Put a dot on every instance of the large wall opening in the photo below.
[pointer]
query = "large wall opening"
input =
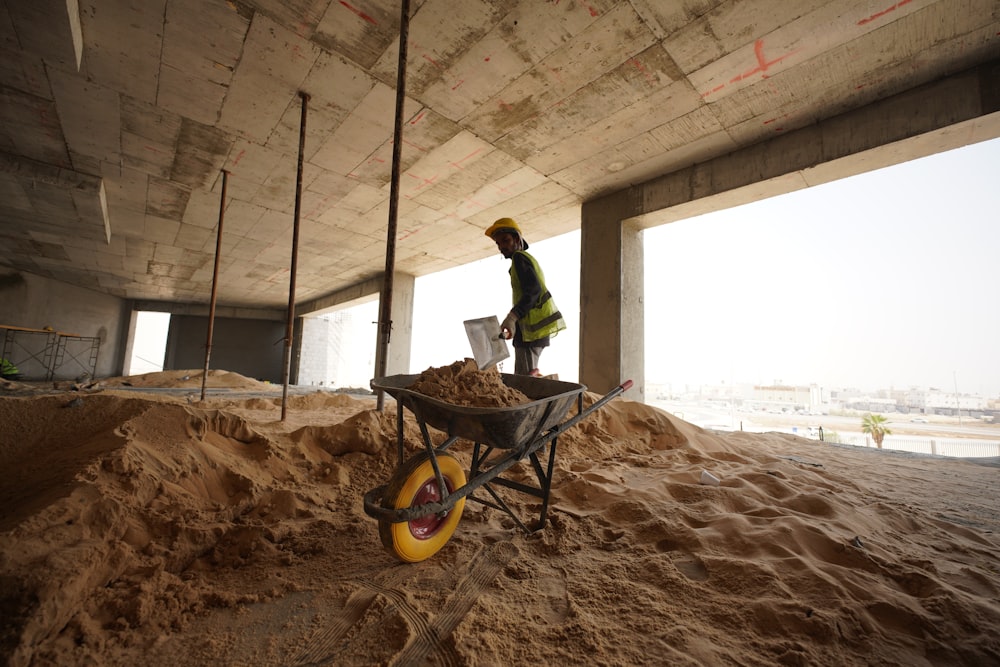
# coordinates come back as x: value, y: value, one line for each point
x: 150, y: 342
x: 875, y: 286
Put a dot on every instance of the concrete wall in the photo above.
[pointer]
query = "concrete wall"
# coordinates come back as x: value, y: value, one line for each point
x: 338, y: 352
x: 34, y: 302
x: 315, y: 351
x: 254, y: 348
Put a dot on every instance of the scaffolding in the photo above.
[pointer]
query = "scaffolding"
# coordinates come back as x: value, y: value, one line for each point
x: 44, y: 354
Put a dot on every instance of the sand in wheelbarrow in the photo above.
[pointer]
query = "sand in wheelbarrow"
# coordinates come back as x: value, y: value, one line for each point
x: 462, y: 383
x: 143, y: 528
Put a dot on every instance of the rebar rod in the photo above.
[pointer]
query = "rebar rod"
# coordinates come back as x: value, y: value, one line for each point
x: 215, y: 282
x: 385, y: 303
x: 290, y: 318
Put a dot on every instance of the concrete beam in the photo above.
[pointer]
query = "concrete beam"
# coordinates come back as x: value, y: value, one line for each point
x: 50, y: 29
x: 87, y: 191
x: 76, y: 32
x: 33, y: 170
x: 358, y: 293
x: 201, y: 310
x: 907, y: 126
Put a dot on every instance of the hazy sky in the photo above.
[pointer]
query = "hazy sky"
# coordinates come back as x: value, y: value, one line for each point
x: 885, y: 279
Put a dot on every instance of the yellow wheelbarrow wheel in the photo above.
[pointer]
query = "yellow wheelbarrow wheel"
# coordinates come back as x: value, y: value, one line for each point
x: 412, y: 485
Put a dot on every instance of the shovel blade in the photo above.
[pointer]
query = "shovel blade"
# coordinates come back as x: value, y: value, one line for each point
x: 488, y: 348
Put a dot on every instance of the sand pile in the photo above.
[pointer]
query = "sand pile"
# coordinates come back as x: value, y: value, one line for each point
x: 192, y: 379
x: 138, y: 528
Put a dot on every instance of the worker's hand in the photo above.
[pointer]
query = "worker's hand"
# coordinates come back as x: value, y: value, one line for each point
x: 507, y: 326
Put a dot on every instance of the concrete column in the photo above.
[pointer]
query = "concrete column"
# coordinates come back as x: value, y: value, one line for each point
x: 129, y: 321
x: 611, y: 295
x: 403, y: 288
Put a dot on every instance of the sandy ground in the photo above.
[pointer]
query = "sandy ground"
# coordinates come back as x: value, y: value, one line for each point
x: 149, y: 527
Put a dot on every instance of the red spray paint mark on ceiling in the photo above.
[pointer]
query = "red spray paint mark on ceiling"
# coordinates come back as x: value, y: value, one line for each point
x: 878, y: 15
x: 590, y: 9
x: 762, y: 64
x: 239, y: 156
x: 418, y: 118
x: 424, y: 182
x: 432, y: 61
x: 502, y: 190
x: 407, y: 233
x: 407, y: 142
x: 779, y: 128
x: 357, y: 11
x: 458, y: 164
x: 458, y: 85
x: 320, y: 208
x: 649, y: 76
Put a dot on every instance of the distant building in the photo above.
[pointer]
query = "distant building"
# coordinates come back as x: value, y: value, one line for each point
x: 782, y: 397
x: 934, y: 400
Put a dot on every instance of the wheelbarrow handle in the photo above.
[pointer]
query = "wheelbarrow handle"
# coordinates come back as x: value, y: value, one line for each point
x: 583, y: 412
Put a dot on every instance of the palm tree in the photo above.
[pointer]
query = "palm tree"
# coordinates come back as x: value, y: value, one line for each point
x: 876, y: 426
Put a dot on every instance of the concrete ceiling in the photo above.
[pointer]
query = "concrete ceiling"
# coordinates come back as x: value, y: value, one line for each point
x: 119, y: 117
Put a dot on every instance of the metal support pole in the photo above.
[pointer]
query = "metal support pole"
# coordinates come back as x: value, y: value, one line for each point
x: 290, y: 319
x: 215, y: 282
x: 385, y: 303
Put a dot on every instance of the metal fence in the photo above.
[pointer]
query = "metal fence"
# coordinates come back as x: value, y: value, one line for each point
x: 957, y: 447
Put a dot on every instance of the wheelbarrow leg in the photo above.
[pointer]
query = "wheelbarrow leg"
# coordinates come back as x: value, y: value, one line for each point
x: 544, y: 481
x: 544, y: 477
x: 399, y: 431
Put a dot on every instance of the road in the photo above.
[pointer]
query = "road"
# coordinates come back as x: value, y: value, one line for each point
x: 718, y: 415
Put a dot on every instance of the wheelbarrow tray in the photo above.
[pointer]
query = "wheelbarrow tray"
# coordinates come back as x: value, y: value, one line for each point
x: 511, y: 427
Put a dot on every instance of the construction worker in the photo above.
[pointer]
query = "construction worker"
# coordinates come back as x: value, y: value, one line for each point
x: 534, y: 318
x: 8, y: 371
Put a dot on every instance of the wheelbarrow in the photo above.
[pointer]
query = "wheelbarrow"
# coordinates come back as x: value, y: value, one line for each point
x: 419, y: 508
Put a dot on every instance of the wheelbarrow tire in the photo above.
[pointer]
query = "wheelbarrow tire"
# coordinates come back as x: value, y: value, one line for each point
x: 414, y: 484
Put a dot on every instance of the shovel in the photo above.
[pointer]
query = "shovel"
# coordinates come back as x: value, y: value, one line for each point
x: 488, y: 347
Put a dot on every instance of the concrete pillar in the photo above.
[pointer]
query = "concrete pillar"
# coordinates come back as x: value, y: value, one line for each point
x: 611, y: 296
x: 403, y: 288
x: 130, y: 319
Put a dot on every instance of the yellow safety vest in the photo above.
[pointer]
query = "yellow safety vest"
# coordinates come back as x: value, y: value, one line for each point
x: 544, y: 318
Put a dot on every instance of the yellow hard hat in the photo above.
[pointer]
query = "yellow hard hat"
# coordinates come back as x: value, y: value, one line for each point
x: 503, y: 225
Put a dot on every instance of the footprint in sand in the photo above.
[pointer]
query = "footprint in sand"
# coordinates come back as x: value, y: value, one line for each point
x: 686, y: 563
x: 691, y: 567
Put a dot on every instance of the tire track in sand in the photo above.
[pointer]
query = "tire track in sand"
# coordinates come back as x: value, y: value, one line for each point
x: 323, y: 648
x: 430, y: 637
